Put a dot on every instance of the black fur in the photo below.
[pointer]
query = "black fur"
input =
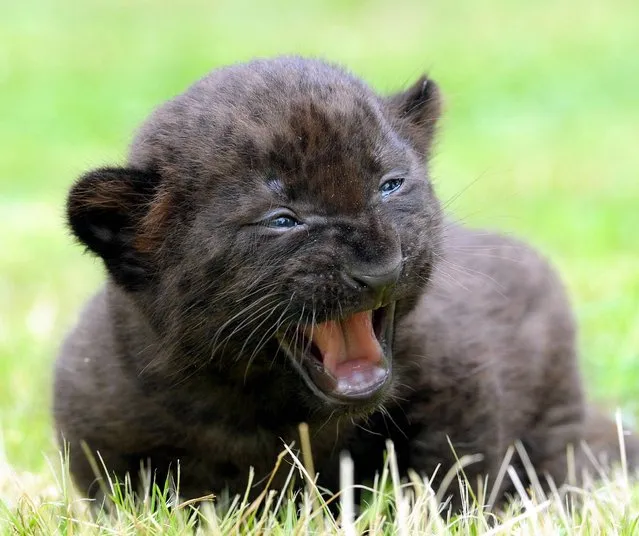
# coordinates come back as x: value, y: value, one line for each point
x: 177, y: 357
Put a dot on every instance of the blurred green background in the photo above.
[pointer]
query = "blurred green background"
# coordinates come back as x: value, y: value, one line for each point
x: 540, y: 139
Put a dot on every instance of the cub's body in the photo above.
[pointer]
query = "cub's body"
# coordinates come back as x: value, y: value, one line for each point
x: 276, y: 254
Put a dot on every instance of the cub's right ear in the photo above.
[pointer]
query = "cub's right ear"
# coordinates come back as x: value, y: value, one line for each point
x: 105, y: 210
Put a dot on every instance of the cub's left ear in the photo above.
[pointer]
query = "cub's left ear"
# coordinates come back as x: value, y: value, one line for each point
x: 418, y: 109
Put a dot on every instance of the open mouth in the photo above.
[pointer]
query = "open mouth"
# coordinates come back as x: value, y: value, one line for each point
x: 347, y: 359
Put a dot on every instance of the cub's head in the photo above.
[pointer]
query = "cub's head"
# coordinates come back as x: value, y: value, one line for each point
x: 276, y: 218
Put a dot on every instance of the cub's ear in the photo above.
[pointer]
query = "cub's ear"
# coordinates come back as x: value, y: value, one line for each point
x: 108, y: 210
x: 418, y: 110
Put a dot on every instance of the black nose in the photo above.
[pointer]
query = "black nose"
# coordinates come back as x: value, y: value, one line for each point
x: 377, y: 281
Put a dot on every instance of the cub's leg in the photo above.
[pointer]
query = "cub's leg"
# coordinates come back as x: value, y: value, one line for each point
x: 466, y: 438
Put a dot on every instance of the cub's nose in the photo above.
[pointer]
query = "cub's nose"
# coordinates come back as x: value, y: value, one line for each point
x: 378, y: 281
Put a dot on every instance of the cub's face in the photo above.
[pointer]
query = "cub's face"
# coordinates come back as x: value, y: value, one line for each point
x: 275, y: 218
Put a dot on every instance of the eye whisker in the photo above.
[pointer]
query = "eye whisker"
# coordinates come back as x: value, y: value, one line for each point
x: 255, y: 314
x: 267, y: 334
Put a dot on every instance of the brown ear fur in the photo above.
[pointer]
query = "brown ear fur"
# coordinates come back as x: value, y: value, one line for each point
x: 153, y: 225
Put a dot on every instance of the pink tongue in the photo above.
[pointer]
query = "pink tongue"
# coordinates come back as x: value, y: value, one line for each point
x: 347, y: 346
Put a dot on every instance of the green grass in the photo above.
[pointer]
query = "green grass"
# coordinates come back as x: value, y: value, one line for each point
x: 540, y: 137
x: 32, y: 504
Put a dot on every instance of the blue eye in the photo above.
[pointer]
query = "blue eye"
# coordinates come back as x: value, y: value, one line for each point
x: 282, y: 222
x: 390, y: 186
